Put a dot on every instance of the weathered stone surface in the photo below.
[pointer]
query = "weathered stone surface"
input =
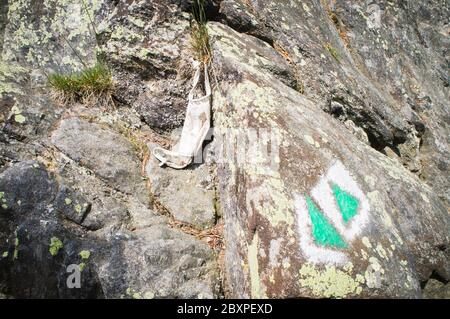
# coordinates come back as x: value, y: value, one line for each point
x: 72, y: 205
x: 152, y: 262
x: 159, y: 262
x: 27, y: 224
x: 237, y: 16
x: 381, y: 61
x: 26, y: 187
x: 147, y: 44
x: 279, y: 243
x: 103, y: 151
x: 435, y: 289
x: 176, y: 189
x: 159, y: 108
x: 372, y: 228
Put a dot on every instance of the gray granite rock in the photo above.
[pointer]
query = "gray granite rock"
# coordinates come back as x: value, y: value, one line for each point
x: 184, y: 193
x: 353, y: 95
x: 37, y: 247
x: 107, y: 153
x: 289, y: 175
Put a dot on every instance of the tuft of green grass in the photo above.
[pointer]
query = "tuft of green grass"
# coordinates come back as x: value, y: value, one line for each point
x: 95, y: 81
x: 199, y: 32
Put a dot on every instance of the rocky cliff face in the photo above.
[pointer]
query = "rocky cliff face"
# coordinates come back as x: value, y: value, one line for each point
x: 326, y: 176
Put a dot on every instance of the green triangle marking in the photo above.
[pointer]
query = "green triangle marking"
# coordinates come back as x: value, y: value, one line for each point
x: 348, y: 204
x: 324, y: 233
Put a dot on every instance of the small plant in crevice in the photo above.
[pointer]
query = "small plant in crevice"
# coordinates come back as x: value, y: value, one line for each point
x: 334, y: 53
x: 89, y: 86
x: 92, y: 85
x: 199, y: 32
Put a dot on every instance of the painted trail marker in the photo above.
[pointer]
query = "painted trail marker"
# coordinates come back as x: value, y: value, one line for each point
x: 331, y: 217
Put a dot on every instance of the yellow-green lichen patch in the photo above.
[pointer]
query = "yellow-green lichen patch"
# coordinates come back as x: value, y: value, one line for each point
x: 143, y: 53
x: 364, y: 254
x: 366, y: 242
x: 10, y: 71
x: 149, y: 295
x: 122, y: 33
x: 370, y: 180
x: 137, y: 295
x: 328, y: 283
x: 253, y: 265
x: 271, y: 201
x: 376, y: 200
x: 68, y: 201
x: 376, y: 264
x: 19, y: 118
x: 373, y: 273
x: 55, y: 245
x: 5, y: 254
x: 310, y: 140
x: 78, y: 208
x: 137, y: 22
x: 133, y: 293
x: 15, y: 110
x: 381, y: 251
x: 82, y: 266
x: 85, y: 254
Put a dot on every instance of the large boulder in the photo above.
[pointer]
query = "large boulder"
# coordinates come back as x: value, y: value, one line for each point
x: 110, y: 155
x: 32, y: 233
x: 176, y: 189
x: 380, y: 65
x: 310, y: 210
x: 39, y: 226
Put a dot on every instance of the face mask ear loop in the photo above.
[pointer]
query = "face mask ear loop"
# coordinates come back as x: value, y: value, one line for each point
x: 196, y: 79
x: 207, y: 85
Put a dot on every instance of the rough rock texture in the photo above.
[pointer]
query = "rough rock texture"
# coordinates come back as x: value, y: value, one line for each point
x: 328, y: 165
x: 384, y: 62
x: 436, y: 290
x: 154, y: 261
x: 381, y: 252
x: 72, y: 184
x: 147, y: 44
x: 175, y: 190
x: 91, y: 145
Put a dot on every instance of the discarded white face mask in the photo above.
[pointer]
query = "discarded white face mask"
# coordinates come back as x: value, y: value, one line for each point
x: 195, y: 128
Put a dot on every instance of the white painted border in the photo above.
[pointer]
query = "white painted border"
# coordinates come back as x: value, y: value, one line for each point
x: 323, y: 196
x: 313, y: 252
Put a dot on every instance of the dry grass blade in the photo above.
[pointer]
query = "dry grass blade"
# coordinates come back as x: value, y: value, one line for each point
x: 199, y: 32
